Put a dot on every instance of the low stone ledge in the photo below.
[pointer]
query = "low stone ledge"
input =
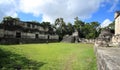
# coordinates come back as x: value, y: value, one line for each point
x: 108, y: 58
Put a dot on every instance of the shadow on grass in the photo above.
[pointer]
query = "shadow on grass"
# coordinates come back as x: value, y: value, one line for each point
x: 12, y: 61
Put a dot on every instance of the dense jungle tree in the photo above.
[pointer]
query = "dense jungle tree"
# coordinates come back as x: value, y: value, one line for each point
x: 60, y: 27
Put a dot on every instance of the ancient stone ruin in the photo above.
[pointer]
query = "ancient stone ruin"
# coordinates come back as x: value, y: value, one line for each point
x: 16, y: 31
x: 104, y: 38
x: 108, y: 58
x: 74, y: 38
x: 116, y: 37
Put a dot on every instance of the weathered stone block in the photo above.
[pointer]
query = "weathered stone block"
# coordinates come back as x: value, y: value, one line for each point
x: 108, y: 58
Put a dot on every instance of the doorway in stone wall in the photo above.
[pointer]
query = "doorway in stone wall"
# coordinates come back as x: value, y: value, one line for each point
x: 18, y: 34
x: 36, y: 36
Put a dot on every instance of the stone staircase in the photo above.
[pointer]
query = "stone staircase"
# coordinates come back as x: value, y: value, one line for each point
x: 69, y: 39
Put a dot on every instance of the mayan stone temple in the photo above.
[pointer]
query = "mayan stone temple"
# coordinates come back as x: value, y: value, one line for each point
x: 106, y: 38
x: 107, y: 47
x: 13, y: 31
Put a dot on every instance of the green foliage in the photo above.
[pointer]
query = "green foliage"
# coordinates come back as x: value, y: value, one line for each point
x: 112, y: 26
x: 70, y: 29
x: 52, y: 56
x: 86, y: 30
x: 61, y: 27
x: 47, y: 25
x: 9, y: 20
x: 91, y: 30
x: 78, y: 24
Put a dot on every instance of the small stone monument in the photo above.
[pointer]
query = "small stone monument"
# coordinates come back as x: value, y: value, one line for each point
x: 76, y: 37
x: 104, y: 38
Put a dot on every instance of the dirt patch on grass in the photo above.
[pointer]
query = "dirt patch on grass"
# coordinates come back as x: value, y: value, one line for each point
x: 69, y: 62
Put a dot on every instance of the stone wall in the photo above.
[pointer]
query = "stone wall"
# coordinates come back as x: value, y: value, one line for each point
x: 72, y: 39
x: 108, y: 58
x: 1, y: 32
x: 102, y: 42
x: 83, y: 40
x: 10, y: 37
x: 116, y: 37
x: 69, y: 39
x: 117, y: 24
x: 116, y: 40
x: 25, y: 40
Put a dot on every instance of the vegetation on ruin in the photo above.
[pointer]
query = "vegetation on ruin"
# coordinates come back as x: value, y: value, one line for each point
x: 52, y: 56
x: 89, y: 30
x: 85, y: 30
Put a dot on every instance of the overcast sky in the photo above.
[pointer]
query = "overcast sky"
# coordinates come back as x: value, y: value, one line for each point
x: 48, y: 10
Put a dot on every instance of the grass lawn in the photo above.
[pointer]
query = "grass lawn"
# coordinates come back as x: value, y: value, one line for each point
x: 52, y: 56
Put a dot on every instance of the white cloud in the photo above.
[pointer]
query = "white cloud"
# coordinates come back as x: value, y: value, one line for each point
x: 68, y: 9
x: 51, y: 9
x: 105, y: 23
x: 8, y: 8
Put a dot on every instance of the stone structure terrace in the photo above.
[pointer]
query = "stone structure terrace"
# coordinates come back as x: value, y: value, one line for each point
x: 12, y: 30
x: 108, y: 57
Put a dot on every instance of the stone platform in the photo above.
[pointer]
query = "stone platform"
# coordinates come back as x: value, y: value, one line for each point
x: 108, y: 58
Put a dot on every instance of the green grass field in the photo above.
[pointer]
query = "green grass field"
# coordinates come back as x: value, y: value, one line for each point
x: 52, y: 56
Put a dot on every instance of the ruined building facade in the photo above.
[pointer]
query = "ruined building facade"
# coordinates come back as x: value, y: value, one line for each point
x: 16, y: 31
x: 116, y: 37
x: 117, y: 23
x: 106, y: 39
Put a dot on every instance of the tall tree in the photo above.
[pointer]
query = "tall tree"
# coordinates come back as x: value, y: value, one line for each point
x: 61, y: 27
x: 70, y: 29
x: 112, y: 26
x: 78, y: 25
x: 59, y: 22
x: 90, y: 30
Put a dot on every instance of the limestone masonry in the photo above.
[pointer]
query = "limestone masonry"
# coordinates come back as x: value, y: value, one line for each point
x: 117, y: 23
x: 116, y: 37
x: 15, y: 31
